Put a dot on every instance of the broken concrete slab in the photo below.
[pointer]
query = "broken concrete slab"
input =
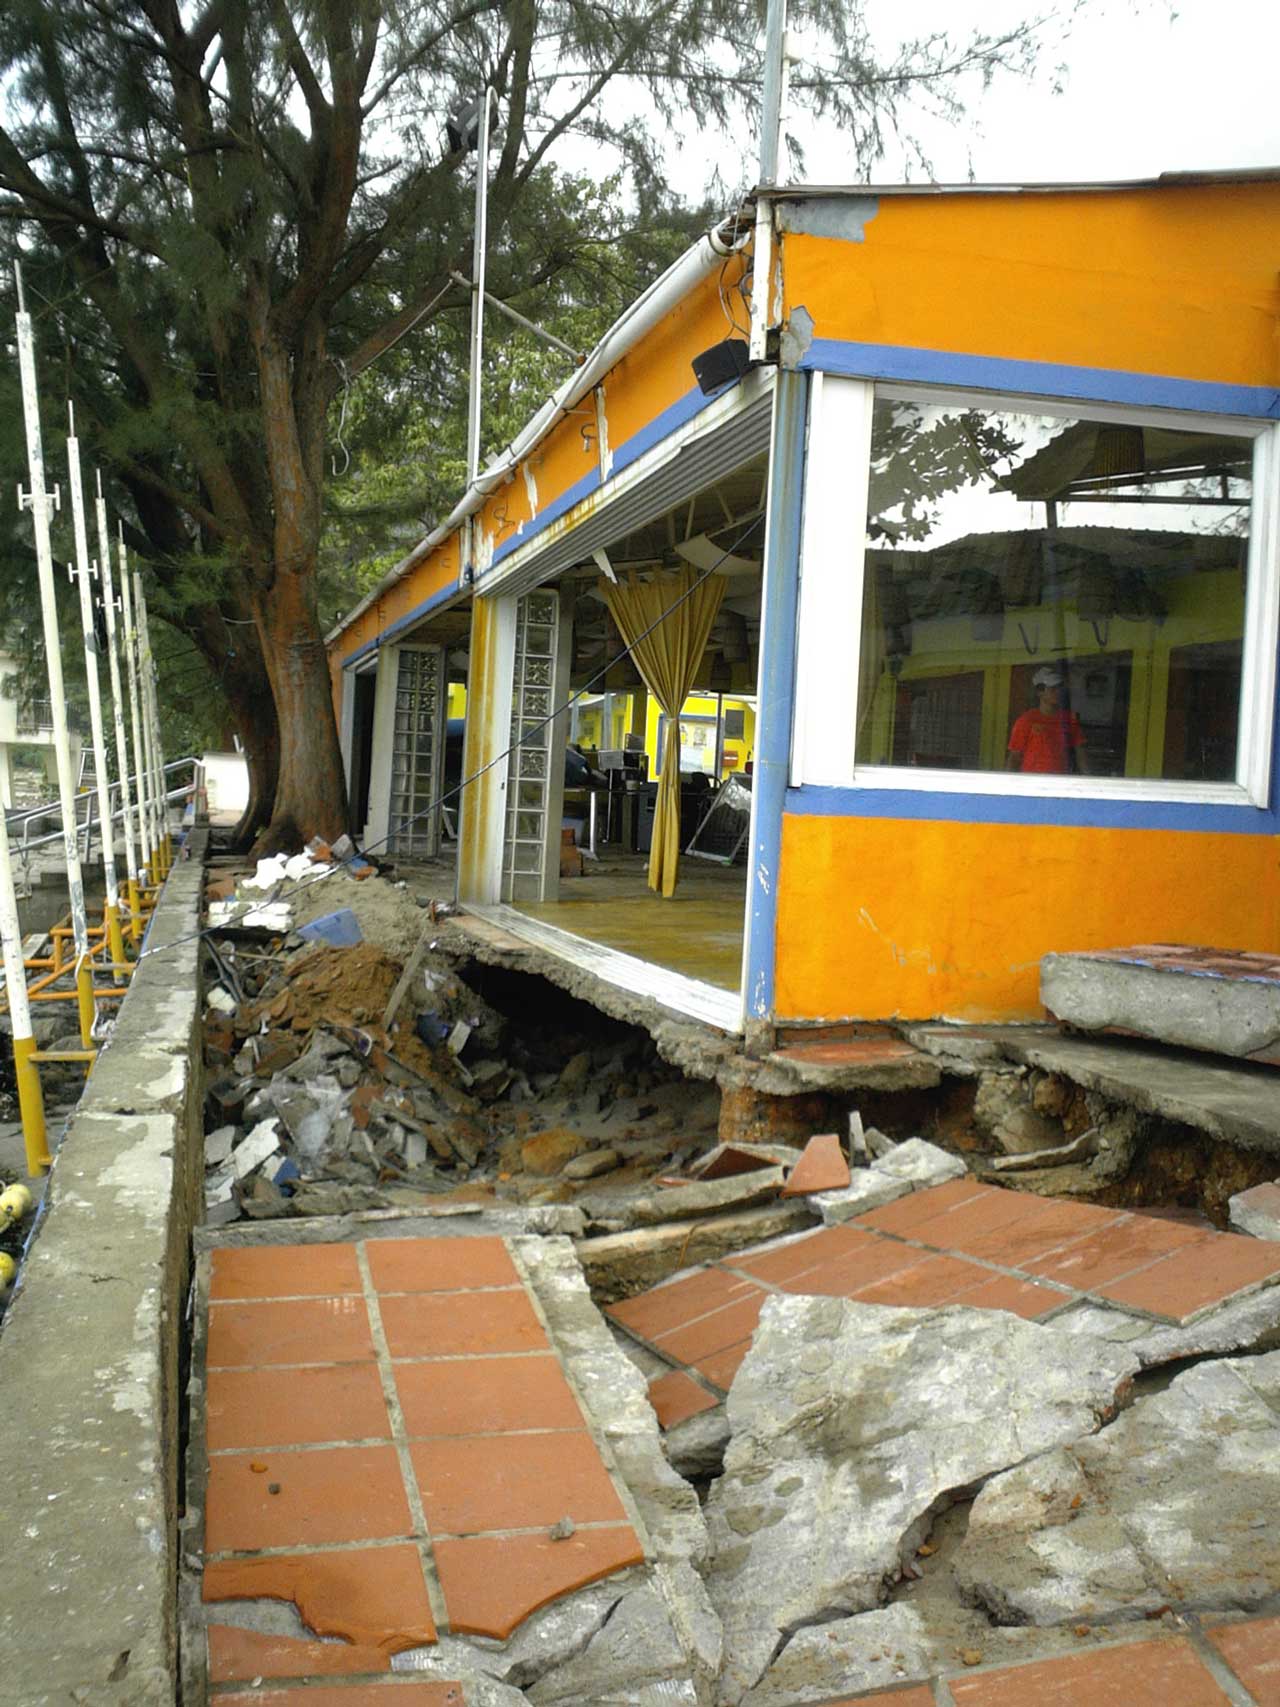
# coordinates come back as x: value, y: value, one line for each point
x: 620, y: 1264
x: 742, y: 1158
x: 592, y: 1164
x: 921, y: 1164
x: 686, y: 1202
x: 911, y: 1166
x: 1172, y: 1504
x: 852, y: 1425
x: 868, y: 1188
x: 1224, y: 1002
x: 872, y: 1650
x: 1257, y: 1211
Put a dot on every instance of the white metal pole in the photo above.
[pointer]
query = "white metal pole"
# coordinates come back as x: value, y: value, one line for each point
x: 102, y: 779
x: 30, y: 1098
x: 38, y: 502
x: 151, y: 720
x: 117, y: 710
x: 145, y: 825
x: 774, y: 93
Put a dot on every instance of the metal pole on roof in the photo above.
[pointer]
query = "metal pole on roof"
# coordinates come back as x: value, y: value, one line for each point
x: 84, y: 572
x: 477, y: 286
x: 38, y: 501
x: 117, y: 712
x: 775, y: 81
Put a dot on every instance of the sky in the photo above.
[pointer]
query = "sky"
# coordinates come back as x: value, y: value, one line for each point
x: 1151, y: 86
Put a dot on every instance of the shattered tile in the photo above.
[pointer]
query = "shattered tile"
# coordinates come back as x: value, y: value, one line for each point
x: 284, y: 1271
x: 1140, y: 1674
x: 822, y: 1167
x: 491, y: 1585
x: 295, y: 1407
x: 840, y: 1277
x: 331, y: 1494
x: 486, y: 1395
x: 676, y: 1397
x: 237, y: 1655
x: 787, y: 1260
x: 713, y: 1332
x: 460, y: 1324
x: 372, y: 1598
x: 1252, y: 1651
x: 675, y: 1302
x: 319, y: 1330
x: 470, y: 1484
x: 439, y: 1265
x: 1193, y: 1279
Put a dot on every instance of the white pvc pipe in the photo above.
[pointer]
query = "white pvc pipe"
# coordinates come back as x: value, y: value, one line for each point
x: 145, y: 836
x: 38, y: 501
x: 15, y: 971
x: 150, y: 709
x: 83, y: 575
x: 117, y: 696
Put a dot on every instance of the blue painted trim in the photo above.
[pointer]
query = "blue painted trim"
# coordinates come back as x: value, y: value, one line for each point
x: 1044, y: 379
x: 922, y: 806
x: 385, y: 636
x: 775, y: 703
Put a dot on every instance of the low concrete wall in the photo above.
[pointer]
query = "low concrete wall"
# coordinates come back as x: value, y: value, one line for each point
x: 89, y: 1355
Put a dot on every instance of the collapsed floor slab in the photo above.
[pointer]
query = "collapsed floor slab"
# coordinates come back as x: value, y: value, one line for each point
x: 453, y: 1411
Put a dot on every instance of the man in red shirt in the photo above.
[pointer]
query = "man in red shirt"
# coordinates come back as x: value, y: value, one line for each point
x: 1048, y: 738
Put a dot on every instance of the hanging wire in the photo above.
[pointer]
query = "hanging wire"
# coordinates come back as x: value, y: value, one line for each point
x: 282, y: 893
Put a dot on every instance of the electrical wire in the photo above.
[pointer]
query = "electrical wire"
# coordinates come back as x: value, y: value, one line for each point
x: 281, y: 893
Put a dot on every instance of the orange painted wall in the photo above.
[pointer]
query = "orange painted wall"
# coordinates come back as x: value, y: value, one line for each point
x: 880, y: 918
x: 1178, y: 281
x: 433, y: 575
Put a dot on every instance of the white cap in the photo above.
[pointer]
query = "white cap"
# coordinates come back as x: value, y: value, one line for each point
x: 1047, y: 678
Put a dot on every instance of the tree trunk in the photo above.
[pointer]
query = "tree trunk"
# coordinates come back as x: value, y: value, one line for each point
x: 254, y: 713
x: 311, y: 790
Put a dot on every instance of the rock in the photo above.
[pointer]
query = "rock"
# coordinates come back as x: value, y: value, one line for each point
x: 921, y: 1164
x: 253, y: 1150
x: 218, y: 1146
x: 577, y: 1071
x: 1174, y: 1503
x: 592, y: 1163
x: 875, y: 1650
x: 635, y: 1651
x: 1002, y: 1109
x: 691, y: 1201
x: 696, y: 1446
x: 547, y: 1152
x: 852, y: 1424
x: 1257, y: 1211
x: 867, y: 1190
x: 622, y: 1263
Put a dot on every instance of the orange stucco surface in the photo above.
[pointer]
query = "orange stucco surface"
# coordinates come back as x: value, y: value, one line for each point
x: 1177, y: 281
x: 883, y: 918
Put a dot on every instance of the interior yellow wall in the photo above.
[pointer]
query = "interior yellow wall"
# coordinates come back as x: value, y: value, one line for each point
x: 884, y: 918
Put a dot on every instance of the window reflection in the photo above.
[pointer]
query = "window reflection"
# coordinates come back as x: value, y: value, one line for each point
x: 1052, y: 596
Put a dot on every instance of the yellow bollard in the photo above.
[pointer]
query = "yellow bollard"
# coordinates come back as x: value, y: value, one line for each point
x: 115, y: 936
x: 84, y: 1001
x: 31, y: 1105
x: 8, y: 1269
x: 135, y: 910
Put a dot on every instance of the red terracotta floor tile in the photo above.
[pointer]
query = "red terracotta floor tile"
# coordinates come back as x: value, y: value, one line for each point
x: 491, y: 1585
x: 905, y: 1214
x: 351, y: 1695
x: 1197, y: 1277
x: 295, y: 1407
x: 237, y: 1656
x: 977, y: 1218
x: 713, y: 1332
x: 1006, y: 1292
x: 1137, y: 1674
x: 372, y: 1597
x: 785, y: 1262
x: 677, y: 1302
x: 676, y: 1397
x: 1042, y: 1225
x: 486, y: 1395
x: 1252, y: 1651
x: 1127, y: 1245
x: 935, y: 1280
x: 844, y: 1275
x: 334, y: 1493
x: 471, y: 1484
x: 849, y: 1051
x: 284, y: 1271
x: 460, y: 1324
x: 309, y: 1330
x: 439, y: 1265
x: 721, y: 1368
x: 822, y: 1167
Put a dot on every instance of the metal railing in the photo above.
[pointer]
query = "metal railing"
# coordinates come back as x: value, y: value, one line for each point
x: 23, y: 842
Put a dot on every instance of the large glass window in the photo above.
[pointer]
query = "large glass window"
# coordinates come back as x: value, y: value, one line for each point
x: 1052, y: 596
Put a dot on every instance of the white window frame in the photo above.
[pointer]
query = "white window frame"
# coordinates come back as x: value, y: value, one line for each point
x: 829, y: 637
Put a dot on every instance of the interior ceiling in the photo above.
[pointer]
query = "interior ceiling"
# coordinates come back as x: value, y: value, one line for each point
x: 703, y: 532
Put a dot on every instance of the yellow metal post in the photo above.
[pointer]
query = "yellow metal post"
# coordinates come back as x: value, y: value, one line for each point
x: 31, y: 1105
x: 84, y: 999
x: 115, y: 936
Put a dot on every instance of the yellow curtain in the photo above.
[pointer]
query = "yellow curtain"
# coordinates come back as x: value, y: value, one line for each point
x: 668, y: 653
